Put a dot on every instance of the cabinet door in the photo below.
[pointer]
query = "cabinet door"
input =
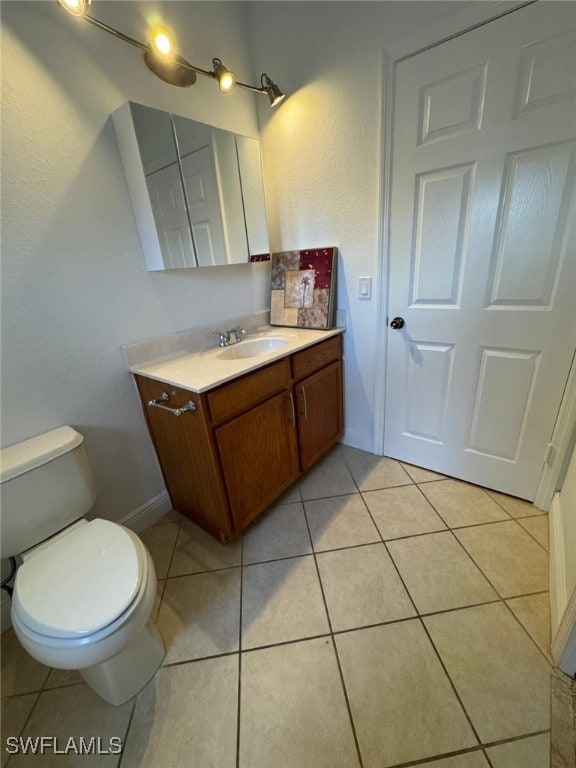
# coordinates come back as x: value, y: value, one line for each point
x: 320, y: 423
x: 259, y: 457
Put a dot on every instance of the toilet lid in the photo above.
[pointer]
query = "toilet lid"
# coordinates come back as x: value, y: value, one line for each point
x: 80, y: 583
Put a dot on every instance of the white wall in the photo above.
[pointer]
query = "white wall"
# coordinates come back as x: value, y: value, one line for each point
x: 74, y: 286
x: 321, y: 150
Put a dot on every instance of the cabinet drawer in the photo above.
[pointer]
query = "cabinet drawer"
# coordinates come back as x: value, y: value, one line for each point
x: 314, y: 358
x: 231, y: 399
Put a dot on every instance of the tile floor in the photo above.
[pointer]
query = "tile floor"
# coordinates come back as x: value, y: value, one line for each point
x: 379, y: 615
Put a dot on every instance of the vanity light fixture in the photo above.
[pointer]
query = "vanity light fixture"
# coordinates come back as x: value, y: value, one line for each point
x: 226, y: 79
x: 161, y: 57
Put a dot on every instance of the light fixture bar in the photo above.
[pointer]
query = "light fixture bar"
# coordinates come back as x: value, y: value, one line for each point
x: 116, y: 33
x: 172, y: 69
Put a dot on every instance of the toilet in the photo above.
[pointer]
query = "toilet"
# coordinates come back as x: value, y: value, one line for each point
x: 84, y: 590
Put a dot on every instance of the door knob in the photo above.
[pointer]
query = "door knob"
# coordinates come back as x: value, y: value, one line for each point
x: 397, y: 323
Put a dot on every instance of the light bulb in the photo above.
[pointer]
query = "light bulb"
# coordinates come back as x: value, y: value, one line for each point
x: 161, y: 41
x: 75, y: 7
x: 226, y: 79
x: 227, y: 82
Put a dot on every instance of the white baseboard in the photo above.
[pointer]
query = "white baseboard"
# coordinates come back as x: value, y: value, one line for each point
x: 558, y: 592
x: 562, y: 604
x: 357, y: 440
x: 148, y: 514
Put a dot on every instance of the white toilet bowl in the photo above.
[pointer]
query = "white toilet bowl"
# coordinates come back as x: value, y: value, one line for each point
x: 82, y: 601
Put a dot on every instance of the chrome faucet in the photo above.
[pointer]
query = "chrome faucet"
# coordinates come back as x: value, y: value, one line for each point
x: 224, y: 336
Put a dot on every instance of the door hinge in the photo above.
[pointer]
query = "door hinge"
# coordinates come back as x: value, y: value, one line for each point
x: 550, y: 455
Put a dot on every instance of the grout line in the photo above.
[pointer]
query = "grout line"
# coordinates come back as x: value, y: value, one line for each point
x: 550, y: 663
x: 334, y: 647
x: 21, y: 731
x: 286, y: 642
x: 200, y: 658
x: 172, y: 554
x: 497, y: 591
x: 238, y: 713
x: 530, y: 534
x: 336, y: 632
x: 128, y: 727
x: 502, y: 597
x: 428, y: 635
x: 487, y: 758
x: 513, y: 739
x: 489, y: 491
x: 431, y: 761
x: 200, y: 573
x: 474, y: 731
x: 43, y: 686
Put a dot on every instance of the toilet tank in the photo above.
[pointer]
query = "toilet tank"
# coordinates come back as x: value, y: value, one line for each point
x: 46, y: 483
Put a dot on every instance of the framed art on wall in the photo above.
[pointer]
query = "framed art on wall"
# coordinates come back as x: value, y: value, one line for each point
x: 304, y: 288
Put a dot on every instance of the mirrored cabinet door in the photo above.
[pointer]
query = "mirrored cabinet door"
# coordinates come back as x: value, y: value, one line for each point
x: 197, y: 191
x: 158, y: 152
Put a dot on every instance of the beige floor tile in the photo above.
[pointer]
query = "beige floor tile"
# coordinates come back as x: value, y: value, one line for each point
x: 533, y: 612
x: 512, y: 561
x: 279, y: 532
x: 438, y: 573
x: 329, y: 477
x: 196, y: 551
x: 468, y: 760
x: 402, y: 703
x: 459, y: 503
x: 20, y: 672
x: 60, y: 677
x: 373, y: 472
x: 537, y: 527
x: 342, y: 521
x: 515, y: 507
x: 402, y: 511
x: 186, y: 716
x: 293, y: 712
x: 281, y: 601
x: 15, y: 711
x: 159, y: 540
x: 421, y: 475
x: 75, y: 711
x: 361, y: 587
x: 533, y: 752
x: 200, y: 615
x: 170, y: 517
x: 291, y: 496
x: 501, y: 677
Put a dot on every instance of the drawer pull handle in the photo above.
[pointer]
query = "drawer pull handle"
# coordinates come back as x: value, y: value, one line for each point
x: 190, y: 407
x: 303, y: 390
x: 293, y: 422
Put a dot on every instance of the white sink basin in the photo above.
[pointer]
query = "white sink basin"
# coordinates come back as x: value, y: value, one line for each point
x: 253, y: 348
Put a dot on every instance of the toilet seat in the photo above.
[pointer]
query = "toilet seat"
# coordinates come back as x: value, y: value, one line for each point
x: 81, y: 584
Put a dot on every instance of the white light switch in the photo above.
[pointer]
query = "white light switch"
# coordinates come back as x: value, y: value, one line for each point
x: 364, y: 287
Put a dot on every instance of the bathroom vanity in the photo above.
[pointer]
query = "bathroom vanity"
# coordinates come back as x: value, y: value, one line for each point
x: 232, y: 430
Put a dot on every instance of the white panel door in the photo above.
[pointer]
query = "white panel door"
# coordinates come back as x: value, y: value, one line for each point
x: 483, y: 262
x: 171, y: 217
x: 203, y: 201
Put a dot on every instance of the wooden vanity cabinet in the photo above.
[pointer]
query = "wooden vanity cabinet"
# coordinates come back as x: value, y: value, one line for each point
x: 248, y: 440
x: 317, y: 372
x: 259, y: 456
x: 255, y: 432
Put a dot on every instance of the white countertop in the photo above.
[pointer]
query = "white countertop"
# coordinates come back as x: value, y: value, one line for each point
x: 203, y: 370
